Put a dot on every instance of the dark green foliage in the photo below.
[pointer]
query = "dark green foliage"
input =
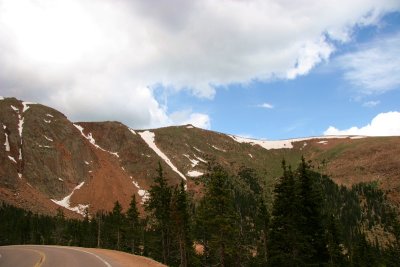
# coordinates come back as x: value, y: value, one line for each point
x: 217, y: 219
x: 169, y: 231
x: 159, y: 208
x: 334, y: 243
x: 182, y: 226
x: 287, y: 244
x: 313, y: 222
x: 134, y: 228
x: 117, y: 221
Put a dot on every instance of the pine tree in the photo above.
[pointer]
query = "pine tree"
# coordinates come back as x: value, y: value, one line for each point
x: 334, y: 243
x: 159, y: 206
x: 182, y: 227
x: 286, y: 242
x: 117, y: 218
x: 134, y: 224
x: 252, y: 216
x: 217, y: 219
x: 59, y: 227
x: 263, y: 224
x: 99, y: 219
x: 311, y: 226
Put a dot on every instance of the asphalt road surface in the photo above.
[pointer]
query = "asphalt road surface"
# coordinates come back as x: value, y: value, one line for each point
x: 58, y: 256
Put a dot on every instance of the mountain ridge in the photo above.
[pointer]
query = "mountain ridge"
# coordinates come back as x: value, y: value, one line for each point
x: 110, y: 161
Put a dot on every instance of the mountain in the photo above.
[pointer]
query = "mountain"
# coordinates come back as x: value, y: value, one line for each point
x: 48, y: 162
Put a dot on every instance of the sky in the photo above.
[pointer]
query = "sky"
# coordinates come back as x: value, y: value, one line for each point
x: 266, y: 69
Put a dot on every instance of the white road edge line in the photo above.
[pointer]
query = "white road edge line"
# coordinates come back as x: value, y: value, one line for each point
x: 80, y: 250
x: 97, y: 256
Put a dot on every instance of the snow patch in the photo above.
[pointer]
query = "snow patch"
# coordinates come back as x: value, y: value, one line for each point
x: 48, y: 138
x: 1, y: 98
x: 93, y: 141
x: 324, y: 142
x: 250, y: 155
x: 193, y: 161
x: 219, y: 149
x: 45, y: 146
x: 358, y: 137
x: 20, y: 175
x: 60, y: 179
x: 26, y: 106
x: 47, y: 121
x: 6, y: 143
x: 113, y: 153
x: 200, y: 159
x: 148, y: 137
x: 144, y: 194
x: 20, y: 126
x: 49, y: 115
x: 87, y: 163
x: 12, y: 159
x: 194, y: 173
x: 65, y: 202
x: 132, y: 131
x: 279, y: 144
x: 264, y: 143
x: 136, y: 184
x: 189, y: 127
x: 198, y: 150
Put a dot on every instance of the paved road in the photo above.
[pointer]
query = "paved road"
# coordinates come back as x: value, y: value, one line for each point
x: 51, y: 256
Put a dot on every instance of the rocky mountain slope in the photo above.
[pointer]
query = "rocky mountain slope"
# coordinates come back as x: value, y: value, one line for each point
x: 48, y: 162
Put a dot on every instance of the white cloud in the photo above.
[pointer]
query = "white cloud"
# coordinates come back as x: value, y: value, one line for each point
x: 100, y: 58
x: 375, y: 67
x: 371, y: 104
x: 187, y: 117
x: 384, y: 124
x: 266, y: 105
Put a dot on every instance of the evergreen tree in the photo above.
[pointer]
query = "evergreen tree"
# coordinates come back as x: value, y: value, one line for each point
x: 287, y: 244
x: 217, y: 219
x: 59, y: 227
x: 334, y: 243
x: 117, y: 218
x: 134, y: 225
x: 252, y: 217
x: 311, y: 226
x: 263, y: 224
x: 182, y: 227
x: 159, y: 206
x: 99, y: 221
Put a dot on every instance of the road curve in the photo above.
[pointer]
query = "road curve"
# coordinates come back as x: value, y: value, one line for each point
x: 50, y: 256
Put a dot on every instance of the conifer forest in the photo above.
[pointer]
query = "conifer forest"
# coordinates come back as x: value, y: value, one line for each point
x: 306, y: 220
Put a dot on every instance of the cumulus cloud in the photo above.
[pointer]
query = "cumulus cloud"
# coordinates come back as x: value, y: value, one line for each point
x: 187, y: 117
x: 100, y: 59
x: 384, y: 124
x: 375, y: 67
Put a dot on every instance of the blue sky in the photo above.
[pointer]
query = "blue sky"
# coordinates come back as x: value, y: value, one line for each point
x: 307, y: 105
x: 263, y: 69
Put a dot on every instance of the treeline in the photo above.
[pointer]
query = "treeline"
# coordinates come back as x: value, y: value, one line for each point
x: 311, y: 222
